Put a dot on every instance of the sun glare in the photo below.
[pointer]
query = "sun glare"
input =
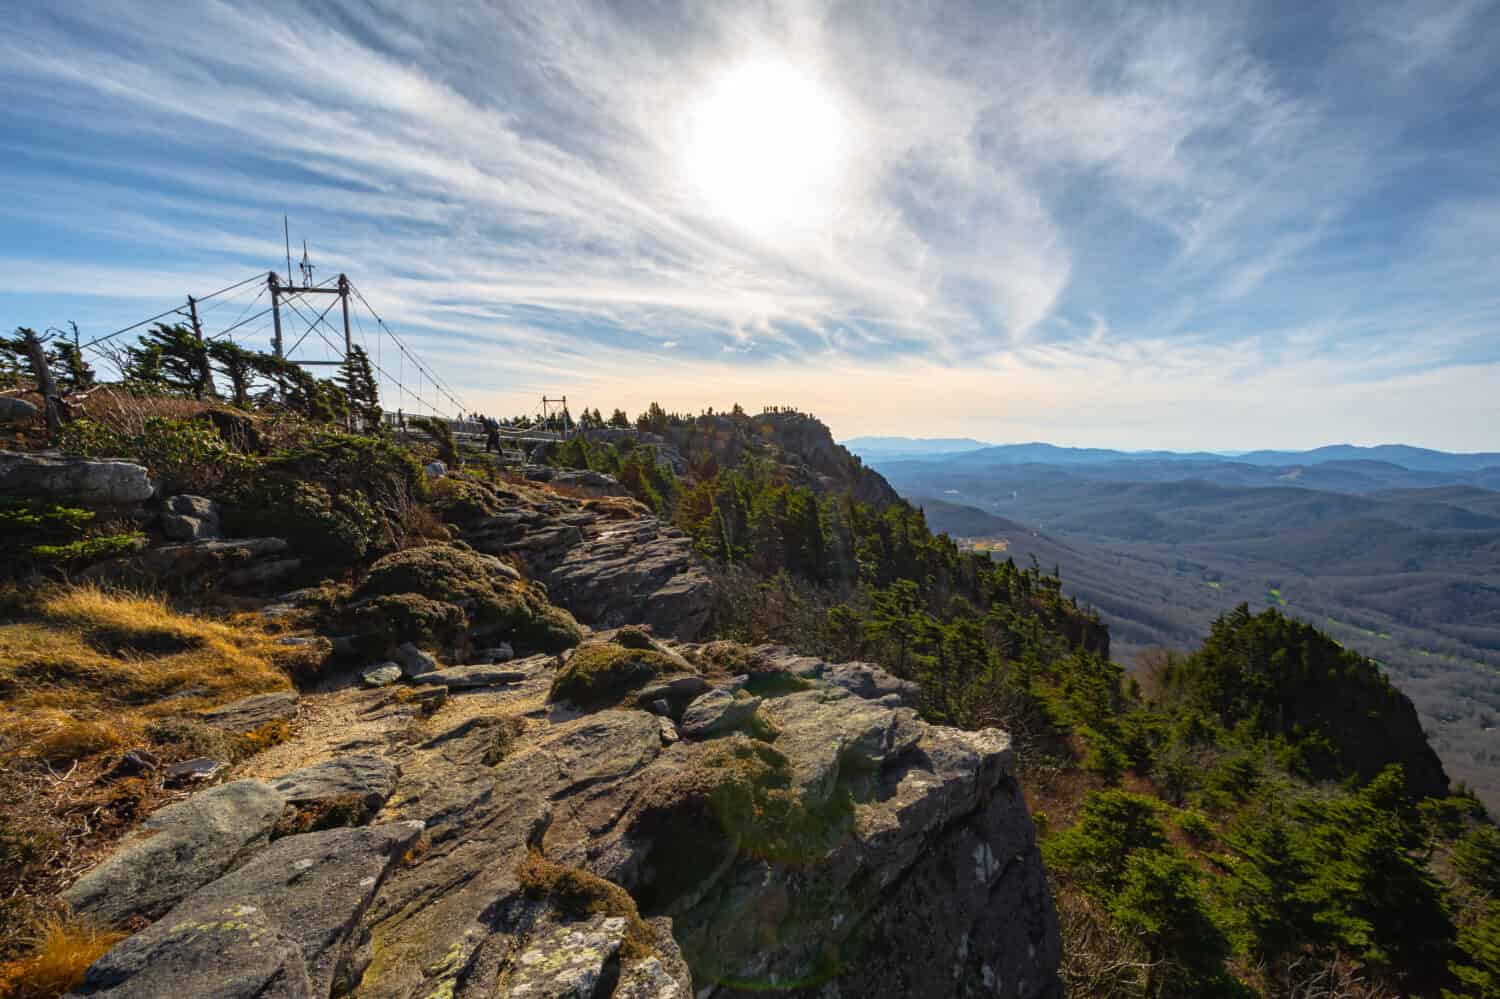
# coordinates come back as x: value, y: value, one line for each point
x: 766, y: 147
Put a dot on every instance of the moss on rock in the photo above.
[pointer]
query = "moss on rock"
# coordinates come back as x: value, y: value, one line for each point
x: 393, y: 618
x: 437, y: 594
x: 579, y: 894
x: 598, y: 676
x: 735, y: 794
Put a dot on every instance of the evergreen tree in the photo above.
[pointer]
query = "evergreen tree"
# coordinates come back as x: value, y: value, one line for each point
x: 238, y: 365
x: 73, y: 373
x: 142, y: 368
x: 1371, y: 886
x: 182, y: 360
x: 361, y: 390
x: 653, y: 420
x: 1161, y: 902
x: 619, y: 418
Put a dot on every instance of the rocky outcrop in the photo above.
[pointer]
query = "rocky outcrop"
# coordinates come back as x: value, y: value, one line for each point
x: 799, y: 444
x: 86, y: 481
x: 199, y: 565
x: 637, y: 571
x: 180, y: 848
x: 799, y: 836
x: 250, y: 713
x: 189, y: 518
x: 368, y: 780
x: 280, y: 927
x: 608, y: 564
x: 585, y: 481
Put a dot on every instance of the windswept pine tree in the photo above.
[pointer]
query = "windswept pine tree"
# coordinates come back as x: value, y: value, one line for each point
x: 238, y: 365
x: 182, y: 360
x: 361, y: 390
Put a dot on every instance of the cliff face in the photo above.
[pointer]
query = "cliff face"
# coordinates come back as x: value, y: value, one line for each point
x: 798, y: 444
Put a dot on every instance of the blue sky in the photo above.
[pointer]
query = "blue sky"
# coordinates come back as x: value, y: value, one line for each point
x: 1193, y: 225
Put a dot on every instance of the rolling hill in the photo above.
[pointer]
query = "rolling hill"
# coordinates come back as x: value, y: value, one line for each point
x: 1399, y: 563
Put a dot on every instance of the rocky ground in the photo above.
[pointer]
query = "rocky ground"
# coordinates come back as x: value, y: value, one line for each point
x: 469, y: 803
x: 816, y: 838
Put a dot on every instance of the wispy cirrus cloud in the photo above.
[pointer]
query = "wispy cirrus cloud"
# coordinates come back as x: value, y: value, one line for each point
x: 1233, y: 196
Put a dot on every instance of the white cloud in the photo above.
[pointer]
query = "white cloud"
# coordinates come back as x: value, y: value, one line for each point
x: 1030, y: 188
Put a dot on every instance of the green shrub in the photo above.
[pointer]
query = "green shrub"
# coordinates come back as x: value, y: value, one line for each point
x: 181, y: 455
x: 327, y: 530
x: 90, y: 549
x: 463, y: 501
x: 46, y: 532
x: 1195, y: 826
x: 633, y: 636
x: 338, y: 496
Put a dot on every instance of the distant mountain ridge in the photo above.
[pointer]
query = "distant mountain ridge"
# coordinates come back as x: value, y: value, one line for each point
x: 1405, y: 456
x: 911, y: 447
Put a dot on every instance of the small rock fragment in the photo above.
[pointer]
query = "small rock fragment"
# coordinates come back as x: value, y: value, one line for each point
x: 413, y: 661
x: 196, y: 770
x: 381, y: 674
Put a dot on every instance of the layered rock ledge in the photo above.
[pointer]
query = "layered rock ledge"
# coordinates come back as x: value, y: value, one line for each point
x: 783, y: 826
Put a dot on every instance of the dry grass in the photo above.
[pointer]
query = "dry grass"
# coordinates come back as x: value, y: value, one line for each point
x: 83, y: 669
x: 86, y: 673
x: 63, y: 951
x: 580, y: 894
x: 126, y: 412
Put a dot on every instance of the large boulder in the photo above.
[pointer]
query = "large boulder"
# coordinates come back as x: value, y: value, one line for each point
x: 180, y: 848
x: 197, y: 565
x: 637, y: 571
x: 608, y: 564
x: 717, y: 711
x: 449, y: 596
x: 189, y: 518
x: 366, y: 779
x: 13, y: 410
x: 87, y: 481
x: 280, y: 927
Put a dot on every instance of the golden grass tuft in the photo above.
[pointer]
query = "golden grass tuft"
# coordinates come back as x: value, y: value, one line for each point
x: 83, y: 669
x: 581, y: 894
x: 63, y: 952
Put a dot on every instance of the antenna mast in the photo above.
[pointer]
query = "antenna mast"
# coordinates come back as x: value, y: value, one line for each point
x: 305, y: 267
x: 286, y: 234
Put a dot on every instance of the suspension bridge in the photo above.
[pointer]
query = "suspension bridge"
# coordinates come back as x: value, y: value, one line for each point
x: 264, y: 312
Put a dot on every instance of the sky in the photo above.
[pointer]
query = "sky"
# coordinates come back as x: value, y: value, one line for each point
x: 1195, y: 225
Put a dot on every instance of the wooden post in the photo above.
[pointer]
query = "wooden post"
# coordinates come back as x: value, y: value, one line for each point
x: 205, y: 373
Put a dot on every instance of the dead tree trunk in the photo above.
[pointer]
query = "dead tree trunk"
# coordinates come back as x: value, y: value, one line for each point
x: 44, y: 381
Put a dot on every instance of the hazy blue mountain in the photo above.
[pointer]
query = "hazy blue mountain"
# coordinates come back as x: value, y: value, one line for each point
x: 910, y: 447
x: 1411, y: 459
x: 1417, y: 459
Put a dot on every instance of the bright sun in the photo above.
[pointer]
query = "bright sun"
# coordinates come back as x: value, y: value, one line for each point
x: 767, y: 148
